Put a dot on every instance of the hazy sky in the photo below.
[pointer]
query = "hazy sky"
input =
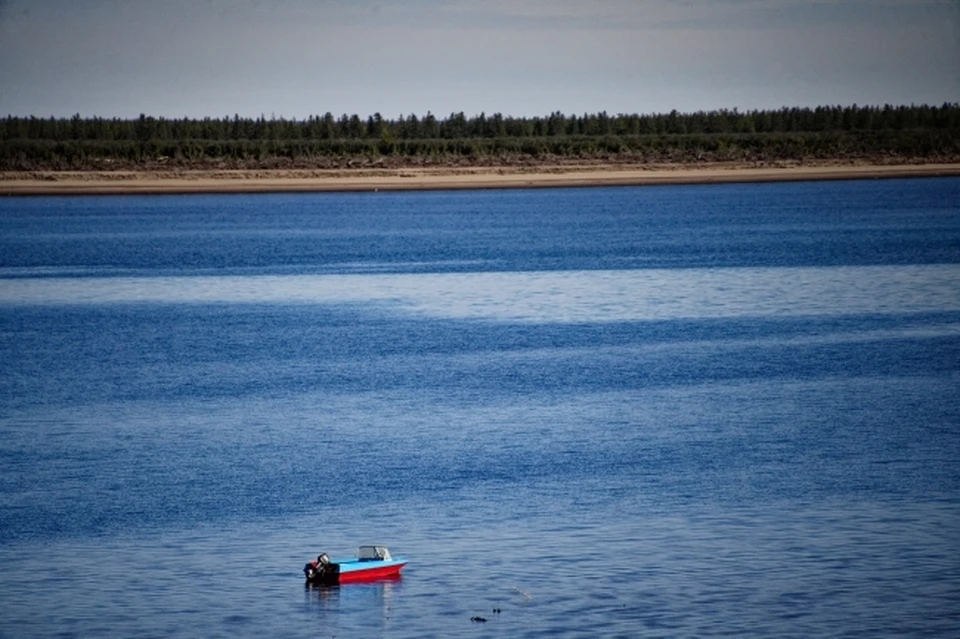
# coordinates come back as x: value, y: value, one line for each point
x: 294, y: 58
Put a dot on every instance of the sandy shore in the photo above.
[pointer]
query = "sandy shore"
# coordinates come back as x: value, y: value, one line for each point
x: 264, y: 181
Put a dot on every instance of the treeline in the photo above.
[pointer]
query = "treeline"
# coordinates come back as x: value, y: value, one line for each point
x: 790, y: 133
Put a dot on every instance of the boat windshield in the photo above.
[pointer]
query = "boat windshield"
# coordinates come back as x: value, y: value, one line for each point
x: 372, y: 553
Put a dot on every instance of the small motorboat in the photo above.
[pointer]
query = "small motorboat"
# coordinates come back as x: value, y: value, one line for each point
x: 371, y: 563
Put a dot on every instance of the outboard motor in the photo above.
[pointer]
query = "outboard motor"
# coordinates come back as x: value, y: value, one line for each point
x: 322, y: 571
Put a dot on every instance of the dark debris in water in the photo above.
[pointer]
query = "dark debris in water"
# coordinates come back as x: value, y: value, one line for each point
x: 479, y: 619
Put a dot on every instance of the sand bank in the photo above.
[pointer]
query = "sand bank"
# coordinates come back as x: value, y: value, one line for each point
x: 434, y: 178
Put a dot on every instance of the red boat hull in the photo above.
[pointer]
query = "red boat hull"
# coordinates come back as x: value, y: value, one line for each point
x: 371, y: 574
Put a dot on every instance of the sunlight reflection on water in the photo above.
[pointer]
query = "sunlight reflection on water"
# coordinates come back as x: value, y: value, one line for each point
x: 557, y: 296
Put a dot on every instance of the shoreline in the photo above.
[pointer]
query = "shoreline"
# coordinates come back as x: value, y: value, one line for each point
x: 156, y: 182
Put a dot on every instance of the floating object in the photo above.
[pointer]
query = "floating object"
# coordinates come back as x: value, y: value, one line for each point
x: 529, y: 598
x: 370, y: 564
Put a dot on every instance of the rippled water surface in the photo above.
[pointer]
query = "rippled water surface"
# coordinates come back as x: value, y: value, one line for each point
x: 673, y: 411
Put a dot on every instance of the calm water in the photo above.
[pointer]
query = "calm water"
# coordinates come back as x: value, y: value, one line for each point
x: 675, y: 411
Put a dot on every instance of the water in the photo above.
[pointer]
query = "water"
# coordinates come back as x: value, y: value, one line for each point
x: 673, y: 411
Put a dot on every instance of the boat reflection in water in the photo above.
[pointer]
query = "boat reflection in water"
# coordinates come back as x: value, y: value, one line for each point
x: 347, y: 608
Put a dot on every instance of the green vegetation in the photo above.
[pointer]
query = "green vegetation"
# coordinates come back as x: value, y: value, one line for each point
x: 889, y: 133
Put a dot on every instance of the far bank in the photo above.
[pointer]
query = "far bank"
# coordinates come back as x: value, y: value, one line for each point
x: 440, y: 178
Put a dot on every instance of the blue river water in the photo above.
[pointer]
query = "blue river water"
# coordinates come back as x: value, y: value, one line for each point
x: 664, y: 411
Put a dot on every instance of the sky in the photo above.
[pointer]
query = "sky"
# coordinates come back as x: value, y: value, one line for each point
x: 297, y: 58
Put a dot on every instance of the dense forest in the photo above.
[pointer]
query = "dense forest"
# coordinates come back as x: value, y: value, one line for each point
x: 888, y: 133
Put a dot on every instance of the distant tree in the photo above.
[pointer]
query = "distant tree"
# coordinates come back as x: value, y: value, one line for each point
x: 431, y: 128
